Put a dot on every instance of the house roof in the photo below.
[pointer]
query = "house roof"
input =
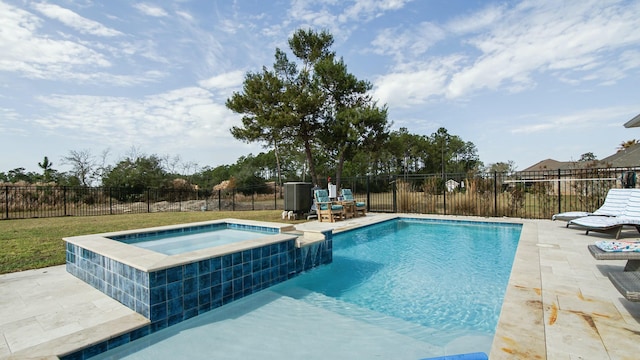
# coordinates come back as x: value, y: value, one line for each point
x: 629, y: 157
x: 549, y: 164
x: 635, y: 122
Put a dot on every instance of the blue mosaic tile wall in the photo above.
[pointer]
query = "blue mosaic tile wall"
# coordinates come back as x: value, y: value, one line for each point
x: 122, y: 282
x: 170, y: 296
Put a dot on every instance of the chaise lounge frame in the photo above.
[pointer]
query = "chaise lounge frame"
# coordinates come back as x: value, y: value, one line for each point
x: 632, y: 257
x: 627, y: 283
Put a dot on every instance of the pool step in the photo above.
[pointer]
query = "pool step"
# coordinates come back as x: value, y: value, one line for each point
x: 452, y: 342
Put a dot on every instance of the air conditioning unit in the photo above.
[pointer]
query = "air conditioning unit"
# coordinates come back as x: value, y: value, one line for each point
x: 297, y: 197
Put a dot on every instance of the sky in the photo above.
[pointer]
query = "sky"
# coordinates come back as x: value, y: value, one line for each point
x: 523, y: 81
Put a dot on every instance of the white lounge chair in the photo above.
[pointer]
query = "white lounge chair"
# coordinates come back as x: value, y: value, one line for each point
x: 614, y: 205
x: 613, y: 224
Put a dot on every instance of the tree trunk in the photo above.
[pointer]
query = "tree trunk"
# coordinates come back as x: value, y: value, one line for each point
x: 312, y: 168
x: 339, y: 168
x: 278, y: 170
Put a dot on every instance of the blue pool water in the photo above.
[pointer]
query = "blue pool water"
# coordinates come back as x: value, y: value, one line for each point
x: 172, y: 243
x: 434, y: 274
x: 401, y: 289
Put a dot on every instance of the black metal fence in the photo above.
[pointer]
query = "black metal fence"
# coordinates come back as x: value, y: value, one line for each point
x: 50, y: 201
x: 537, y: 194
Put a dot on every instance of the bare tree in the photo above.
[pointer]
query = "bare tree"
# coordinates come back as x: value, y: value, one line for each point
x: 189, y: 168
x: 82, y: 165
x: 103, y: 169
x: 171, y: 164
x: 135, y: 153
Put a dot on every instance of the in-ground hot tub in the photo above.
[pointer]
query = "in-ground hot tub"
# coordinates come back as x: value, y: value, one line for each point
x: 187, y: 239
x: 176, y: 285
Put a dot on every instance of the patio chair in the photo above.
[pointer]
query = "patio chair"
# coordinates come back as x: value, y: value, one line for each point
x: 612, y: 250
x: 614, y: 204
x: 360, y: 207
x: 613, y: 224
x: 627, y: 283
x: 325, y: 208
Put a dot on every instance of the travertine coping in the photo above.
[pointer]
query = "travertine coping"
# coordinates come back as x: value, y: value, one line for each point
x: 521, y: 332
x: 148, y: 260
x: 310, y: 237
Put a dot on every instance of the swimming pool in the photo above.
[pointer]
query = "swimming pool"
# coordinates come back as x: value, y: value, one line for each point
x: 401, y: 289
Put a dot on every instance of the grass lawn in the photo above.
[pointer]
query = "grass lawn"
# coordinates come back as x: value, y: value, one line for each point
x: 35, y: 243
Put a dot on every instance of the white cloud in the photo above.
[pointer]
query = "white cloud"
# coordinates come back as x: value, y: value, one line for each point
x: 151, y: 10
x: 416, y: 83
x: 74, y: 20
x: 27, y: 52
x: 504, y: 47
x: 588, y: 118
x: 185, y: 15
x: 186, y: 117
x: 313, y: 14
x: 224, y: 81
x: 145, y: 77
x: 24, y: 51
x: 339, y: 19
x: 369, y: 9
x: 10, y: 122
x: 476, y: 21
x: 536, y: 37
x: 408, y: 43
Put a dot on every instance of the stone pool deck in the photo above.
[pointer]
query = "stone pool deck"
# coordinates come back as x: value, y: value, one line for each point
x: 559, y: 302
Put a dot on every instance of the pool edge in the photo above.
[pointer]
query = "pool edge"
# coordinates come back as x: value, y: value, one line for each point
x: 521, y: 330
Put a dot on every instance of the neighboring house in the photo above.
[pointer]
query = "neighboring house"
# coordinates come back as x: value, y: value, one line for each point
x: 623, y: 166
x: 627, y: 158
x: 451, y: 185
x: 541, y: 172
x: 549, y: 164
x: 547, y: 170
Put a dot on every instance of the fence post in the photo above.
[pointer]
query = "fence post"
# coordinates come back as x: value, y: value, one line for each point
x: 219, y: 200
x: 395, y: 199
x: 275, y: 196
x: 444, y: 194
x: 368, y: 195
x: 253, y: 204
x: 148, y: 200
x: 110, y: 202
x: 559, y: 194
x: 64, y: 200
x: 233, y: 200
x: 495, y: 193
x: 6, y: 201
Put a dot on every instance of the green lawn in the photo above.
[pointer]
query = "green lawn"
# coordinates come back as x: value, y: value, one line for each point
x: 36, y: 243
